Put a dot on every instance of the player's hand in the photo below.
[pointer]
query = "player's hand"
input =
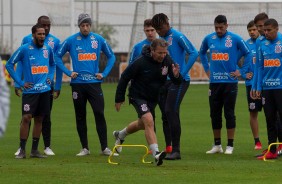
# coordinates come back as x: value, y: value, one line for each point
x: 175, y: 70
x: 49, y: 81
x: 99, y: 76
x: 118, y: 105
x: 253, y: 94
x: 18, y: 91
x: 56, y: 94
x: 28, y: 85
x: 74, y: 75
x: 258, y: 94
x: 249, y: 75
x: 235, y: 74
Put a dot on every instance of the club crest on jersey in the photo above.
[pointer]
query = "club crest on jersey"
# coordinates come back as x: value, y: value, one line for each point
x: 228, y: 42
x: 94, y: 44
x: 169, y: 41
x: 45, y: 53
x: 277, y: 48
x: 252, y: 106
x: 74, y: 95
x: 26, y: 107
x: 164, y: 70
x: 144, y: 107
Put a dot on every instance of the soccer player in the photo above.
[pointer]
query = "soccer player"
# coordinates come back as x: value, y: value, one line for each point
x: 172, y: 94
x: 38, y: 71
x: 148, y: 73
x: 150, y: 33
x: 4, y: 100
x: 85, y: 48
x: 269, y: 84
x: 53, y: 42
x: 223, y: 46
x: 255, y: 105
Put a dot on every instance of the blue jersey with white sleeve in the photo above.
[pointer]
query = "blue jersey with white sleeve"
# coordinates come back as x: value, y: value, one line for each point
x: 38, y: 65
x: 54, y: 43
x: 269, y: 64
x: 223, y: 56
x: 85, y: 54
x: 178, y: 47
x: 137, y: 50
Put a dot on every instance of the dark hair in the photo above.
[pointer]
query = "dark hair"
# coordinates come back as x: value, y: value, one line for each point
x: 35, y: 27
x: 251, y: 24
x: 147, y: 23
x: 271, y: 22
x: 220, y: 19
x: 260, y: 16
x: 42, y: 17
x: 158, y: 42
x: 159, y: 19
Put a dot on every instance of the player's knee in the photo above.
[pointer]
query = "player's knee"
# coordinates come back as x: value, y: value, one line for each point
x: 230, y: 124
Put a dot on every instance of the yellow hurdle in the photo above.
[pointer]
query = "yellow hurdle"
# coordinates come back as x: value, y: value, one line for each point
x: 268, y: 150
x: 127, y: 145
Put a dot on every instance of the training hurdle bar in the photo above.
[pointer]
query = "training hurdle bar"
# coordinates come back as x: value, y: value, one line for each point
x: 268, y: 150
x: 128, y: 145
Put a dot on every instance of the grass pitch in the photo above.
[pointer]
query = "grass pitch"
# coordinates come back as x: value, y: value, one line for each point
x: 196, y: 139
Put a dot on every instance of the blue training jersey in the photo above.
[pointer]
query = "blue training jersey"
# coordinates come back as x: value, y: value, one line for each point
x: 223, y: 56
x: 137, y: 49
x: 269, y: 64
x: 54, y: 43
x: 178, y: 47
x: 38, y: 65
x: 251, y: 43
x: 85, y: 53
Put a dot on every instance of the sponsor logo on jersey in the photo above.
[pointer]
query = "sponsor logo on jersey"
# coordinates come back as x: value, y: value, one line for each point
x: 228, y: 42
x: 87, y: 56
x: 212, y: 46
x: 94, y: 44
x: 51, y: 44
x: 164, y: 70
x: 45, y: 53
x: 214, y: 37
x: 39, y: 69
x: 220, y: 56
x: 92, y: 37
x: 30, y: 47
x: 272, y: 63
x: 78, y: 38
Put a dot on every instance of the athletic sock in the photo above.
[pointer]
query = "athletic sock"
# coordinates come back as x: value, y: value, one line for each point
x: 217, y: 141
x: 35, y: 142
x: 22, y: 143
x: 122, y: 134
x: 256, y: 140
x: 154, y: 148
x: 230, y: 142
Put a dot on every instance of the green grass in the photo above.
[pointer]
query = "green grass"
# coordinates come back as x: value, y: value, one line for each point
x: 196, y: 139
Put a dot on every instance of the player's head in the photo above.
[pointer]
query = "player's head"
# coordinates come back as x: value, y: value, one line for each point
x: 252, y: 30
x: 220, y: 25
x: 270, y: 29
x: 38, y: 34
x: 84, y: 23
x: 149, y: 31
x: 161, y: 24
x: 159, y: 49
x: 259, y: 21
x: 45, y: 22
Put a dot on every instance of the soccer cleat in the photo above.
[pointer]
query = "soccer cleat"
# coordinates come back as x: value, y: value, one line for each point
x: 173, y: 156
x: 21, y: 154
x: 229, y: 150
x: 18, y: 151
x: 215, y: 149
x: 269, y: 155
x: 83, y: 152
x: 168, y: 149
x: 48, y: 151
x: 118, y: 141
x: 36, y: 154
x: 279, y: 150
x: 263, y: 152
x: 108, y: 152
x: 258, y: 146
x: 159, y: 158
